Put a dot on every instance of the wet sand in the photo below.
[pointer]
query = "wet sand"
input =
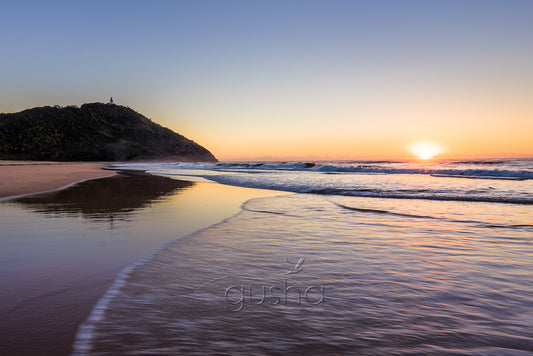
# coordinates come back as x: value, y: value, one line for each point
x: 24, y: 177
x: 60, y: 251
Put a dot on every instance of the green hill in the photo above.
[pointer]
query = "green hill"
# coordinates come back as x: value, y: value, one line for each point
x: 94, y: 132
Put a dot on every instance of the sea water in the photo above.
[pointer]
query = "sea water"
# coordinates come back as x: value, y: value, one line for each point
x: 363, y: 258
x: 60, y: 251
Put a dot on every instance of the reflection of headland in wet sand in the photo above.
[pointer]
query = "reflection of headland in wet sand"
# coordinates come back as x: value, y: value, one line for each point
x: 110, y: 198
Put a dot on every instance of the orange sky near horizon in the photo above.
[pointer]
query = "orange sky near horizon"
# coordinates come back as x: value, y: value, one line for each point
x: 474, y: 130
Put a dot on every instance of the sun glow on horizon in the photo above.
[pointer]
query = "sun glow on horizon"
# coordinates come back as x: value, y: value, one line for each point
x: 425, y: 150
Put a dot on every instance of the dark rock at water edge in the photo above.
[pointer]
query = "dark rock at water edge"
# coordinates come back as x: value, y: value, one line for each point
x: 94, y: 132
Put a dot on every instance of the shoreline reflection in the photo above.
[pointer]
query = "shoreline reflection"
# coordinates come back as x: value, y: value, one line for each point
x: 105, y: 199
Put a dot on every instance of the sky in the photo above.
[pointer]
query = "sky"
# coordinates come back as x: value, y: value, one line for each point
x: 289, y: 80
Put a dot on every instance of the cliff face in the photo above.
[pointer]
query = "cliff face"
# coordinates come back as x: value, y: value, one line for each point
x: 94, y: 132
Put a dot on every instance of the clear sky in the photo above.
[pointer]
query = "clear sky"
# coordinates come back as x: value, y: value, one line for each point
x: 287, y: 79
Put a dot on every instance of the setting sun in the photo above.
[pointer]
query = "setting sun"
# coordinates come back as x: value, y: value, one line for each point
x: 425, y: 150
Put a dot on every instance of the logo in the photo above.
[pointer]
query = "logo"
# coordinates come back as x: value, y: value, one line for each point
x: 297, y: 267
x: 240, y: 296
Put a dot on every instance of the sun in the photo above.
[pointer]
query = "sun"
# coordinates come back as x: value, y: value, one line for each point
x: 425, y: 150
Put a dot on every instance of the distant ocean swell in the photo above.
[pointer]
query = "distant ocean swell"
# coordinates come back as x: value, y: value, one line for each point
x: 463, y: 169
x: 458, y: 173
x: 503, y: 181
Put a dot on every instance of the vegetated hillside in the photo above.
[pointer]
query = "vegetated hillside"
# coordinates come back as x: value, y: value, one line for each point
x: 94, y: 132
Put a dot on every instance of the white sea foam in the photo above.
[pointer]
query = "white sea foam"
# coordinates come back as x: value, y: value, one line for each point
x: 508, y: 181
x: 511, y: 169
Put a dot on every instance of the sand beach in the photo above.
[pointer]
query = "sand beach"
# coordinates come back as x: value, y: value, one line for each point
x: 24, y: 177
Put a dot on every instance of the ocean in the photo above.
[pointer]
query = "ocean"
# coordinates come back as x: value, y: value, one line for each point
x: 352, y: 257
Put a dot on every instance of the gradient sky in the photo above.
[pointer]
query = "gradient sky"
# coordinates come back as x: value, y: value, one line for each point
x: 287, y: 79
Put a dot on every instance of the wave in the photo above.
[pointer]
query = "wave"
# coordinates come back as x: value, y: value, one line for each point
x: 375, y: 167
x: 479, y: 176
x: 481, y: 161
x: 369, y: 179
x: 431, y: 196
x: 416, y: 216
x: 455, y: 173
x: 425, y: 194
x: 384, y: 212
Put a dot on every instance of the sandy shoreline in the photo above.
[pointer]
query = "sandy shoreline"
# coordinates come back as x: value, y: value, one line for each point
x: 25, y: 177
x: 61, y: 251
